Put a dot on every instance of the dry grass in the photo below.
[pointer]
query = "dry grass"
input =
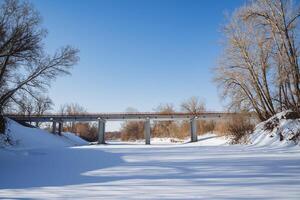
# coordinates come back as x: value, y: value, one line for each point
x: 87, y: 131
x: 132, y: 131
x: 239, y: 128
x: 221, y: 127
x: 205, y: 126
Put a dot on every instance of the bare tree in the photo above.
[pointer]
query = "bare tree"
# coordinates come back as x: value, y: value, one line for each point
x: 165, y: 128
x: 71, y: 109
x: 281, y: 19
x: 42, y: 105
x: 25, y: 67
x: 259, y: 68
x: 33, y: 106
x: 167, y: 108
x: 132, y: 130
x: 193, y: 105
x: 26, y: 106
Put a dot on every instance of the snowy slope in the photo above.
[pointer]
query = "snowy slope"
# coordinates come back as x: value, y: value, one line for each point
x: 279, y: 130
x: 25, y: 137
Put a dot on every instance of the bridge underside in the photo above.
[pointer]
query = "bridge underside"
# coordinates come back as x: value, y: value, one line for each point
x: 103, y: 118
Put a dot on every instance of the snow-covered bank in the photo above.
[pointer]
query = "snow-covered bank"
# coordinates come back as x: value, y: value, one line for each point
x: 282, y: 129
x: 25, y: 137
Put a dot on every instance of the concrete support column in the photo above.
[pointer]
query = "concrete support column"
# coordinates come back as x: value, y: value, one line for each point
x: 60, y: 126
x: 147, y: 131
x: 54, y: 127
x: 193, y: 123
x: 101, y: 131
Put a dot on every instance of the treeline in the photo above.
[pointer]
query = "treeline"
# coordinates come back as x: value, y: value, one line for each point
x: 86, y: 130
x: 133, y: 130
x: 259, y: 68
x: 236, y: 128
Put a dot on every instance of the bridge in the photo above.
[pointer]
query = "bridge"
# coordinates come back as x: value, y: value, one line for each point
x: 102, y: 118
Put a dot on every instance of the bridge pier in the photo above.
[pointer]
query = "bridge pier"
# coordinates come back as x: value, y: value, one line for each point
x: 147, y: 131
x: 54, y: 127
x: 101, y: 131
x: 193, y: 124
x: 60, y: 127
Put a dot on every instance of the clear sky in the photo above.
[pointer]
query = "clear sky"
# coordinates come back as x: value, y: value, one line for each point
x: 136, y: 53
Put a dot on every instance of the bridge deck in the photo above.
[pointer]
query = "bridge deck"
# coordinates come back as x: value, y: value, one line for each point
x: 119, y: 116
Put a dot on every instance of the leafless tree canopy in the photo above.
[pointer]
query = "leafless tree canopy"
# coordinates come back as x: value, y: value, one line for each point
x: 71, y: 109
x: 193, y: 105
x: 259, y: 69
x: 165, y: 128
x: 25, y: 67
x: 87, y: 131
x: 38, y: 106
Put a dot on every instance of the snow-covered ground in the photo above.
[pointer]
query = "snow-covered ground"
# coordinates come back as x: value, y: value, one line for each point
x: 208, y: 169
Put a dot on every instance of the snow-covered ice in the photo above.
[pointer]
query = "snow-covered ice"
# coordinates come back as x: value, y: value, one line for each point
x: 209, y: 138
x: 208, y: 169
x: 183, y: 171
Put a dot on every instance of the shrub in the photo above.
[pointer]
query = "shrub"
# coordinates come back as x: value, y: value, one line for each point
x: 132, y: 130
x: 296, y: 137
x: 239, y: 128
x: 221, y: 127
x: 205, y: 126
x: 166, y: 129
x: 271, y: 124
x: 292, y: 115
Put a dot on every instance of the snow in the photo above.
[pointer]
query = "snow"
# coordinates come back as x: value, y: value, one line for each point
x: 208, y: 169
x: 271, y: 138
x: 74, y: 139
x: 208, y: 139
x: 181, y: 171
x: 25, y: 137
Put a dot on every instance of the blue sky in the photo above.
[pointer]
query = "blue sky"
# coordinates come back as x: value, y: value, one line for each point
x: 136, y: 53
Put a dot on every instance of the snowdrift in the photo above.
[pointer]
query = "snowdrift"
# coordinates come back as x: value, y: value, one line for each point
x: 283, y: 129
x: 25, y: 137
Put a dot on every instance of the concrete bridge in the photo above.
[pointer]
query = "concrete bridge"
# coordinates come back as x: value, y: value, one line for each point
x: 102, y: 118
